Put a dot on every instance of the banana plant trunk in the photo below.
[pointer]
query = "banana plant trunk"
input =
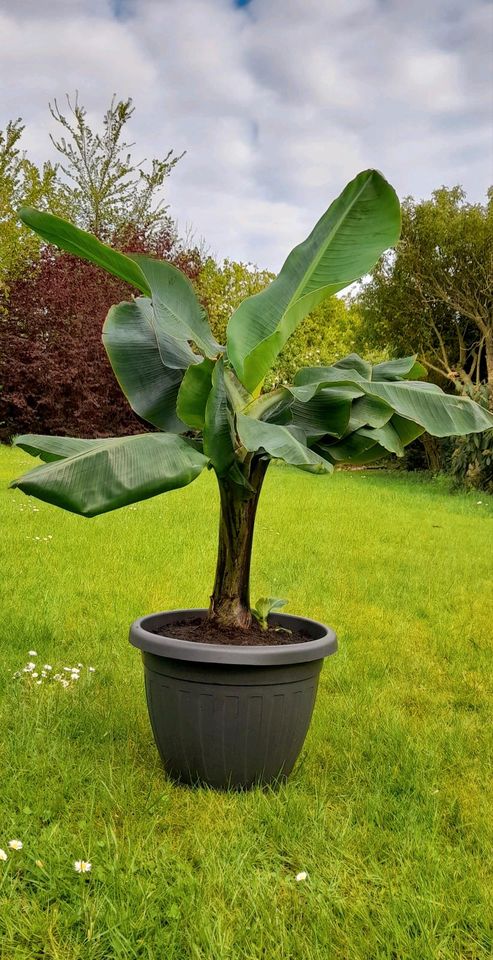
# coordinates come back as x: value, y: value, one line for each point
x: 230, y: 600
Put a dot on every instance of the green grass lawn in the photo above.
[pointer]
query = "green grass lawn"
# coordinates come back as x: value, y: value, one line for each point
x: 389, y: 809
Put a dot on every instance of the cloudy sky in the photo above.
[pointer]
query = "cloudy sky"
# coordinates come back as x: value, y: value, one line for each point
x: 278, y: 103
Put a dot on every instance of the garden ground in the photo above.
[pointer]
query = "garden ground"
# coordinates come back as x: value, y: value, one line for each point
x: 388, y: 810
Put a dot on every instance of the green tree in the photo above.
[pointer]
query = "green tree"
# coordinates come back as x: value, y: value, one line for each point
x: 106, y: 189
x: 20, y: 182
x: 434, y: 294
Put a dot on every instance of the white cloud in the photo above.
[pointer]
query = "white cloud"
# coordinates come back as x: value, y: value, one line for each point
x: 431, y: 78
x: 277, y: 104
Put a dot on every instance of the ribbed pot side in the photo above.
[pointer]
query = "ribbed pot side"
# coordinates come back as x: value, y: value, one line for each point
x: 230, y: 716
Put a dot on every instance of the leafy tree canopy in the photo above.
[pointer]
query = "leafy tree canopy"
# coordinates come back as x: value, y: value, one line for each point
x: 433, y: 295
x: 20, y: 182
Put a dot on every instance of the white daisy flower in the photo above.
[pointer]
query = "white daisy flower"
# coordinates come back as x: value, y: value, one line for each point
x: 34, y: 674
x: 32, y: 653
x: 64, y: 683
x: 74, y: 676
x: 3, y: 855
x: 92, y: 669
x: 15, y: 844
x: 39, y: 681
x: 47, y: 666
x: 301, y: 876
x: 82, y: 866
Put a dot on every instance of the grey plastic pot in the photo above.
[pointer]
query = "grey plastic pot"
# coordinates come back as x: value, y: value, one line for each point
x: 230, y: 716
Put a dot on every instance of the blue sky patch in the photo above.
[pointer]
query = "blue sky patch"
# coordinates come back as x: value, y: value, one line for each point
x: 119, y: 8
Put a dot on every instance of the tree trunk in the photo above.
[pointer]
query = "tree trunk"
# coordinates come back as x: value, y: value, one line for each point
x: 230, y: 600
x: 433, y: 452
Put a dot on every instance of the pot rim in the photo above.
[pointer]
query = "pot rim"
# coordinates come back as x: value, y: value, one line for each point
x: 324, y: 642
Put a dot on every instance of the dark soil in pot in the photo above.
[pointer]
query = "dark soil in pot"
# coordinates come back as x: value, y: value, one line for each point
x: 204, y: 631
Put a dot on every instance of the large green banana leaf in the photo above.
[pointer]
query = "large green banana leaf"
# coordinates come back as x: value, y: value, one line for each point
x: 353, y: 369
x: 343, y: 246
x: 238, y: 396
x: 354, y: 363
x: 147, y: 362
x: 52, y: 448
x: 219, y: 437
x: 259, y: 436
x: 386, y: 436
x: 309, y: 380
x: 441, y: 414
x: 406, y: 429
x: 325, y: 414
x: 273, y: 407
x: 64, y: 235
x: 366, y: 445
x: 113, y: 473
x: 406, y: 368
x: 194, y: 392
x: 368, y: 411
x: 353, y: 449
x: 175, y: 304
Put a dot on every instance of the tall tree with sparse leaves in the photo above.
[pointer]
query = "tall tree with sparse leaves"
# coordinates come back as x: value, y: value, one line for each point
x: 106, y: 188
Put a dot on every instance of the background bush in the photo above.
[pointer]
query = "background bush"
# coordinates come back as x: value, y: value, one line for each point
x: 55, y: 376
x: 471, y: 463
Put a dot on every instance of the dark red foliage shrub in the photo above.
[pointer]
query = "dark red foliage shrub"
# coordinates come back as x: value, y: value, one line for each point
x: 55, y: 377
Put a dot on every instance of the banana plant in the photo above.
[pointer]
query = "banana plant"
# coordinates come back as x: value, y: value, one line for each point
x: 206, y: 403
